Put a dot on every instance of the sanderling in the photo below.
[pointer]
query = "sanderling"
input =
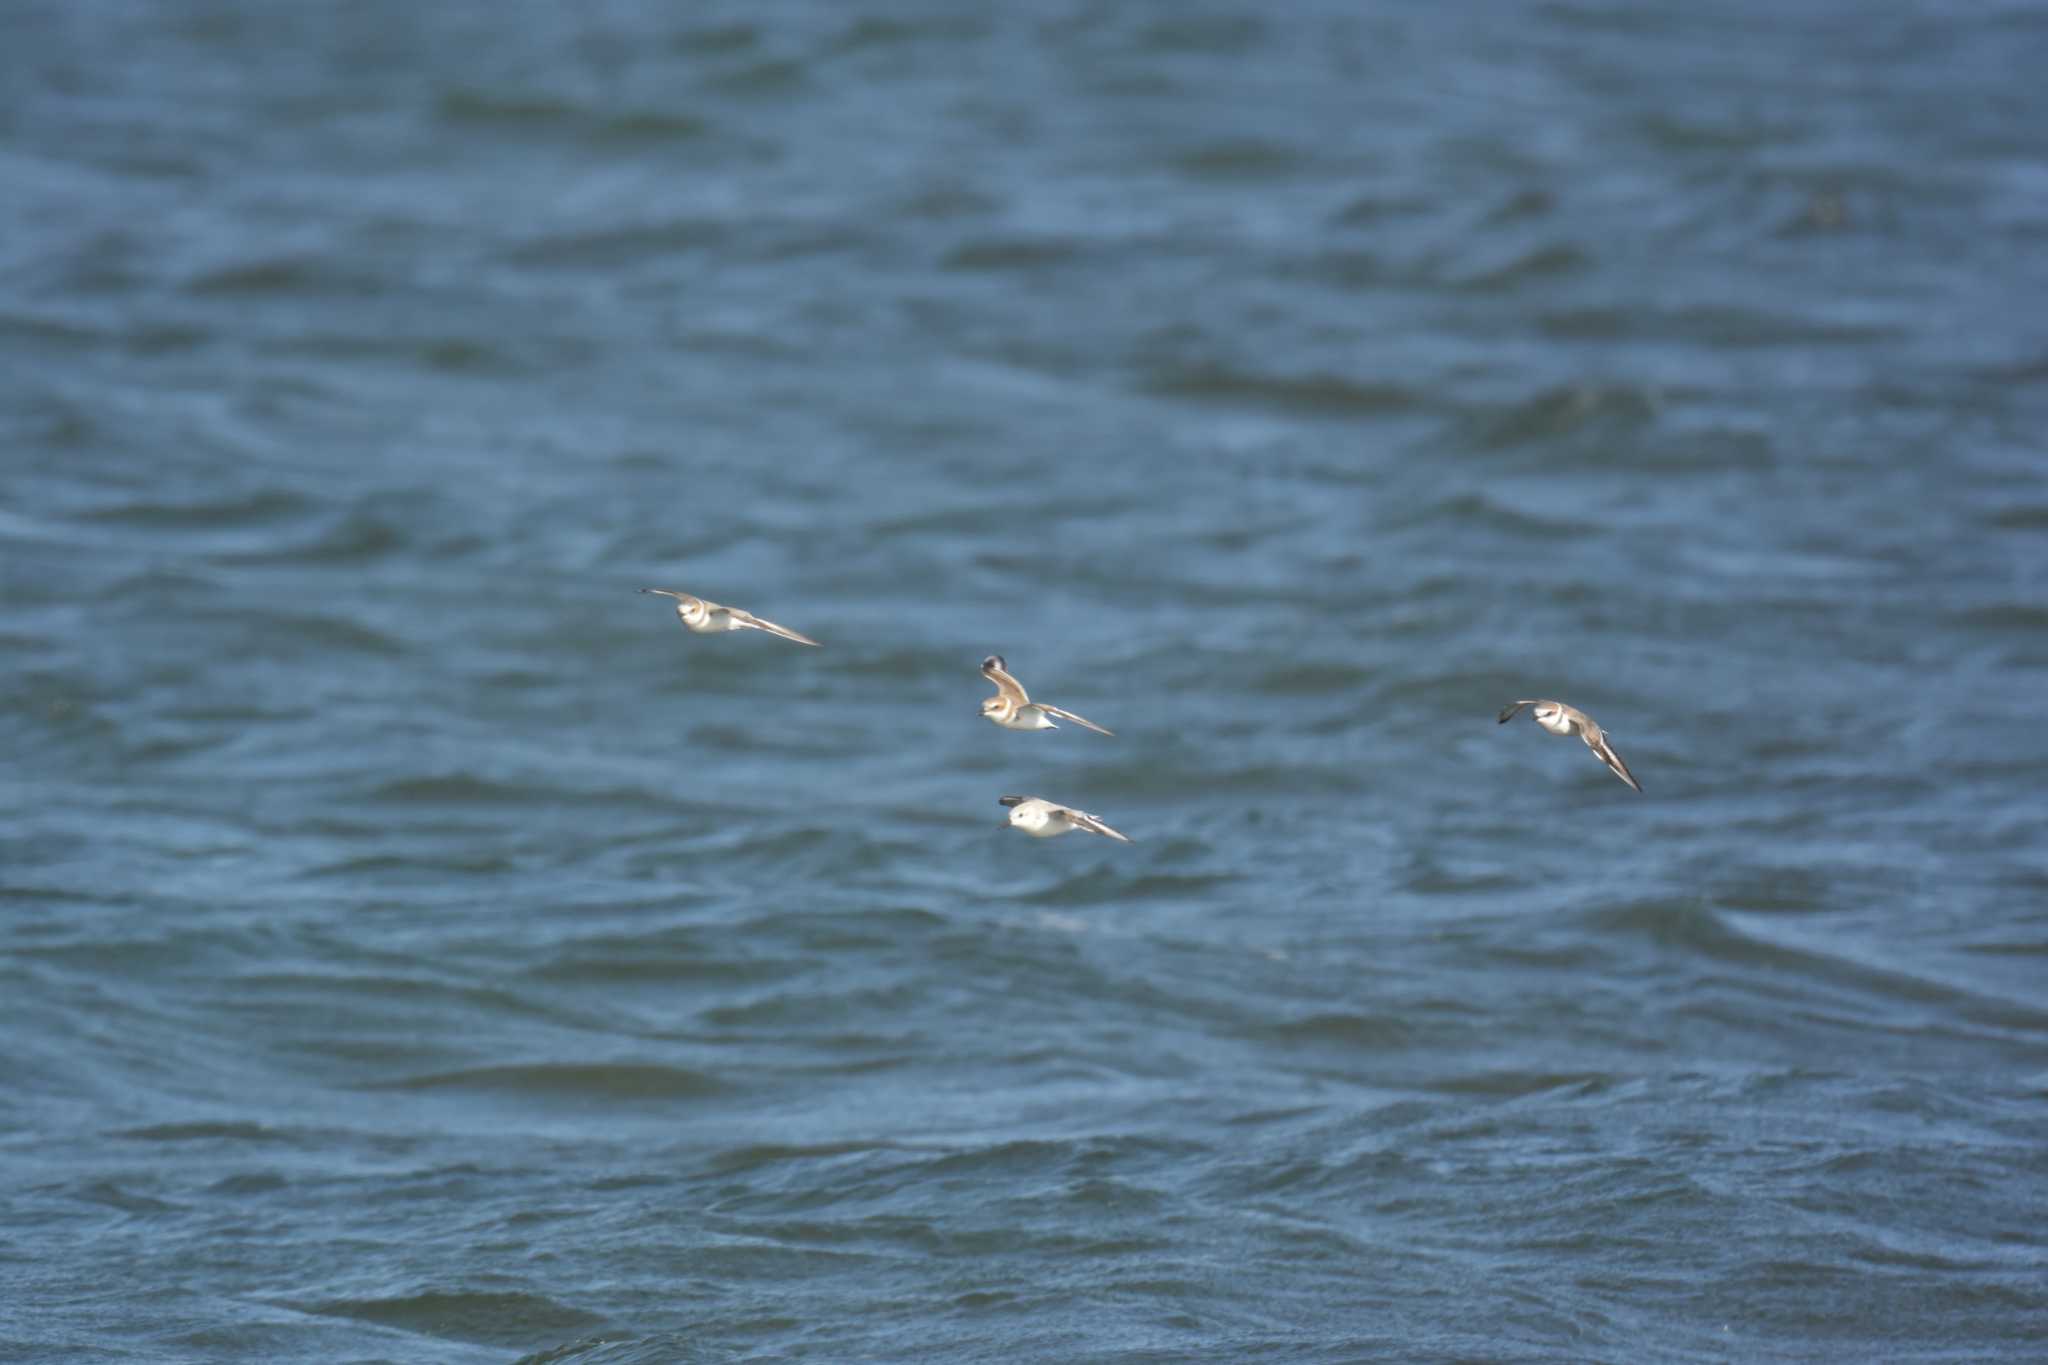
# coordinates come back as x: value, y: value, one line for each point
x: 708, y: 618
x: 1041, y: 819
x: 1560, y: 719
x: 1013, y: 709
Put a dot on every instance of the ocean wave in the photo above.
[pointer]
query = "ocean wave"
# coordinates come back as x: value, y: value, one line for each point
x: 619, y: 1082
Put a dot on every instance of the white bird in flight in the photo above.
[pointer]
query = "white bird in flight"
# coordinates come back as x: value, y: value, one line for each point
x: 1012, y: 708
x: 1560, y: 719
x: 1042, y: 819
x: 709, y: 618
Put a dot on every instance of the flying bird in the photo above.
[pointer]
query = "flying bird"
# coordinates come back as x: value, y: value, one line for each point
x: 1560, y: 719
x: 709, y: 618
x: 1043, y: 820
x: 1012, y: 708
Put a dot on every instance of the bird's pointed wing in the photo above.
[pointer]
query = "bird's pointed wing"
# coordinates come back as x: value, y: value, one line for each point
x: 1596, y: 740
x: 753, y: 622
x: 996, y: 671
x: 1509, y: 712
x: 1078, y: 720
x: 1093, y: 825
x: 682, y: 597
x: 1011, y: 800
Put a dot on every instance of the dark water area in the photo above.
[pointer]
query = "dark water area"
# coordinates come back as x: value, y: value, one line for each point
x: 415, y: 947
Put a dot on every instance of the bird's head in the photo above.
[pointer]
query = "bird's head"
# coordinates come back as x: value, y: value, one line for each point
x: 687, y: 607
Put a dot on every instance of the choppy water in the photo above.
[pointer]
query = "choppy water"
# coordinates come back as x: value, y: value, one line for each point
x: 416, y: 948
